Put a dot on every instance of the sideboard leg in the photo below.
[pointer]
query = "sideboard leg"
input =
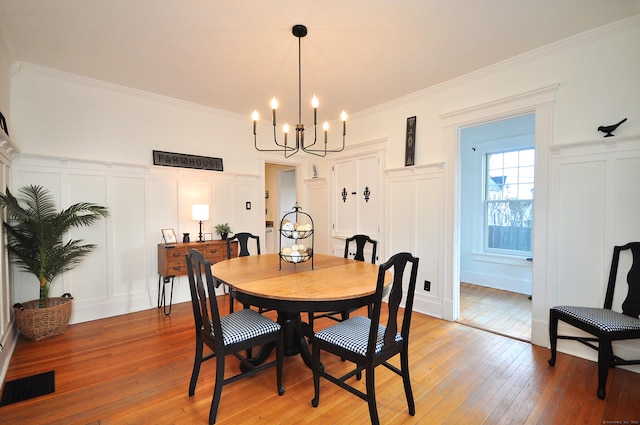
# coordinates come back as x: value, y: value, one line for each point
x: 162, y: 301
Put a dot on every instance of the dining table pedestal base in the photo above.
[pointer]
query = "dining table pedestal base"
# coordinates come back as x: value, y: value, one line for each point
x: 296, y: 334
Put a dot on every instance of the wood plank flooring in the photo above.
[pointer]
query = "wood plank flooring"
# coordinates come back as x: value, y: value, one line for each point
x: 135, y: 369
x: 502, y: 312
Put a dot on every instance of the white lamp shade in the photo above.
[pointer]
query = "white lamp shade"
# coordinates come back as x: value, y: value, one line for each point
x: 200, y: 212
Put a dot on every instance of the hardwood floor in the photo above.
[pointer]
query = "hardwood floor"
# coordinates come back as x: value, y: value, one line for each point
x: 502, y: 312
x: 135, y: 369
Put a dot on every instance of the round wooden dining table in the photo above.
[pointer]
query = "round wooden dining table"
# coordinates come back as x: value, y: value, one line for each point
x: 329, y: 283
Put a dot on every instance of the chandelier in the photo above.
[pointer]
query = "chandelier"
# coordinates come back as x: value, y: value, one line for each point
x: 290, y: 149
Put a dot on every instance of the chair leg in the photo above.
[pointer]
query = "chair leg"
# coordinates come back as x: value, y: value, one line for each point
x: 280, y: 365
x: 217, y: 389
x: 404, y: 364
x: 605, y: 352
x: 310, y: 314
x: 316, y: 374
x: 553, y: 336
x: 371, y: 395
x: 196, y: 366
x: 231, y: 301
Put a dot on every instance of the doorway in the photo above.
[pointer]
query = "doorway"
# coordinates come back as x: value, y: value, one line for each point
x: 497, y: 161
x: 280, y: 196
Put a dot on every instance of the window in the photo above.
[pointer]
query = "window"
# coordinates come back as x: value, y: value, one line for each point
x: 508, y: 203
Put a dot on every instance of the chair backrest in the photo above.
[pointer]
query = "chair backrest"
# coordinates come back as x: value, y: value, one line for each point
x: 205, y: 309
x: 631, y: 303
x: 360, y: 241
x: 399, y: 264
x: 243, y: 242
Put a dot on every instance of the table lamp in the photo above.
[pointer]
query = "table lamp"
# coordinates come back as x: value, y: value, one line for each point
x: 200, y: 212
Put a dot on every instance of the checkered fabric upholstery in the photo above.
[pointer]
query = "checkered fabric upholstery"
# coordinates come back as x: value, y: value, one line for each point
x: 353, y: 335
x: 603, y: 319
x: 245, y: 324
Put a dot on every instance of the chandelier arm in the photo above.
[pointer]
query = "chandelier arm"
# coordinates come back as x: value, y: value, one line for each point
x: 315, y: 137
x: 323, y: 152
x: 284, y: 148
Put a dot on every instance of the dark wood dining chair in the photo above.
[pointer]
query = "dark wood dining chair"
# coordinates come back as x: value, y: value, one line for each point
x: 231, y: 334
x: 604, y: 324
x: 367, y: 343
x: 243, y: 244
x: 360, y: 242
x: 243, y: 251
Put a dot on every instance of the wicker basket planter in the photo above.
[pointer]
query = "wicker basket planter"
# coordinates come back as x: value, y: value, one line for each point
x: 37, y: 324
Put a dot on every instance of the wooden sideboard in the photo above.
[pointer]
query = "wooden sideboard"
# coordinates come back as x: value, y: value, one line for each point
x: 171, y: 257
x: 172, y: 262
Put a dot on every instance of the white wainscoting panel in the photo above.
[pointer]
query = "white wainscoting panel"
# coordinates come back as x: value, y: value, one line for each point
x: 120, y: 276
x: 415, y: 199
x: 594, y: 205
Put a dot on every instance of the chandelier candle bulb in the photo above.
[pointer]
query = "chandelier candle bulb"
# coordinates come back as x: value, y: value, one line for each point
x: 285, y: 129
x: 343, y: 117
x: 255, y: 121
x: 314, y: 103
x: 325, y: 127
x: 274, y: 106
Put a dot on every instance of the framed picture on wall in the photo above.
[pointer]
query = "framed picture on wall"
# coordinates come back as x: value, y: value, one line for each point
x: 169, y: 236
x: 410, y: 147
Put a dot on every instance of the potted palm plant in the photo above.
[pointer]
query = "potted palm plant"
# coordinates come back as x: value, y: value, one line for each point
x: 35, y: 231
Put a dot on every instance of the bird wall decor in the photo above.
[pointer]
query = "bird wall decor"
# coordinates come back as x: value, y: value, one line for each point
x: 609, y: 129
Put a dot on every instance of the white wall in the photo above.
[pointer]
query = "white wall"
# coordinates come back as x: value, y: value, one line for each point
x: 120, y: 276
x: 590, y: 92
x: 113, y: 130
x: 62, y: 115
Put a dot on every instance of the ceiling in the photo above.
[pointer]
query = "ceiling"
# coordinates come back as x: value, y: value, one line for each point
x: 236, y: 55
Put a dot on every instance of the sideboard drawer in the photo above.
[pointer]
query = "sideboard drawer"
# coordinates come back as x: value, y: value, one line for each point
x: 215, y: 253
x: 171, y: 257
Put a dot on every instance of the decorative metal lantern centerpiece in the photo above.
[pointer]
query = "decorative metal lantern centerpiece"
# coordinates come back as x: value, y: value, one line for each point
x: 296, y: 237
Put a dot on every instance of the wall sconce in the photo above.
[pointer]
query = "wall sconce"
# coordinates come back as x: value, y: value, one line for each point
x: 344, y: 194
x: 200, y: 212
x: 367, y: 194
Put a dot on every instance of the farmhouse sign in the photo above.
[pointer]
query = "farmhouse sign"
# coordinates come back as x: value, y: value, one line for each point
x: 182, y: 160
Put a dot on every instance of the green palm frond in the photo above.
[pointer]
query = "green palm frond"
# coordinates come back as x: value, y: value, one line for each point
x: 35, y: 231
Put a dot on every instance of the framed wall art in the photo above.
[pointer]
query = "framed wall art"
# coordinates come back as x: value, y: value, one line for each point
x: 410, y: 147
x: 169, y: 236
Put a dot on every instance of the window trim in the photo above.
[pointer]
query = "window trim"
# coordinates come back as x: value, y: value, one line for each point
x: 486, y: 250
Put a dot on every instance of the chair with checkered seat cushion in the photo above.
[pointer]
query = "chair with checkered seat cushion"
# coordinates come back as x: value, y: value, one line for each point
x: 231, y: 334
x: 368, y: 343
x: 361, y: 242
x: 604, y: 324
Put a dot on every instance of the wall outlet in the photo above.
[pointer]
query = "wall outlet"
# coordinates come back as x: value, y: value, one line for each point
x: 427, y: 285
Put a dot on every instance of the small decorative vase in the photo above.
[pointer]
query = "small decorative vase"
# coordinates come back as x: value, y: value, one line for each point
x: 224, y: 236
x: 185, y: 237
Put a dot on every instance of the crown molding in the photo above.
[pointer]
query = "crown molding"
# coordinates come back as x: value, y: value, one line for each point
x: 126, y: 91
x: 631, y: 23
